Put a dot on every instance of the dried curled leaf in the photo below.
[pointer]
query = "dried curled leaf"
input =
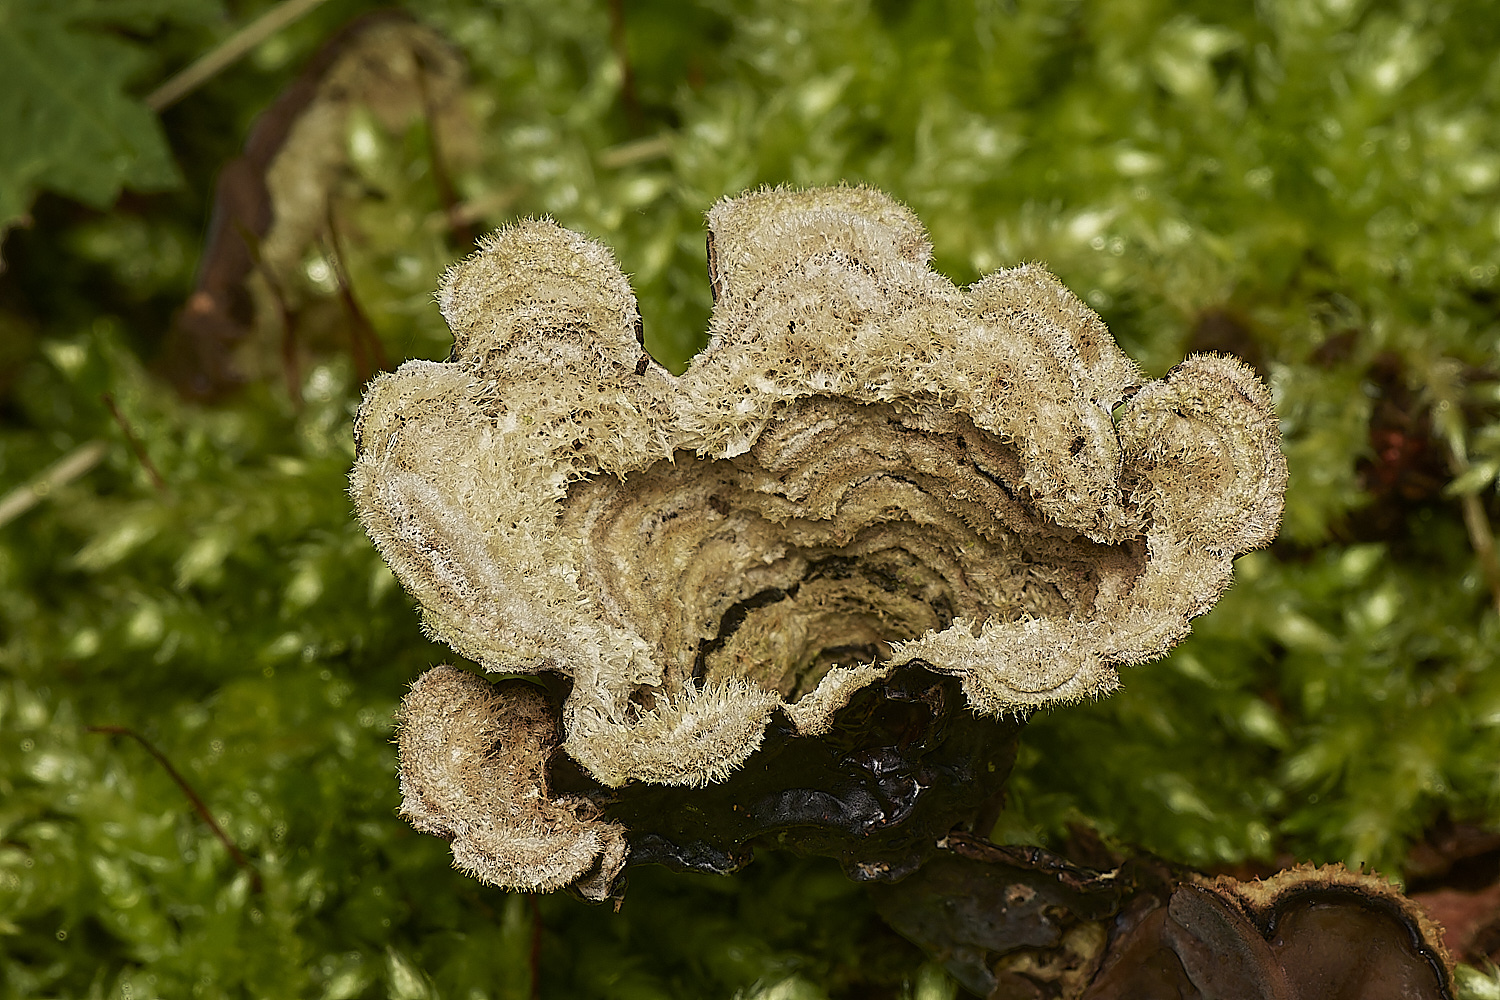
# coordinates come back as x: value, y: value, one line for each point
x: 866, y: 467
x: 276, y: 203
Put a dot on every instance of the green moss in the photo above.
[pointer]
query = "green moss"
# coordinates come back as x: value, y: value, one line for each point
x: 1314, y: 186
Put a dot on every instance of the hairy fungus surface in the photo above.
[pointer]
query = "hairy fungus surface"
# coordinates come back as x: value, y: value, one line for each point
x: 866, y: 467
x: 474, y: 770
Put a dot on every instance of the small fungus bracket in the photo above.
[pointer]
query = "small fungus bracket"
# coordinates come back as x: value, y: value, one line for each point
x: 1014, y: 923
x: 866, y: 468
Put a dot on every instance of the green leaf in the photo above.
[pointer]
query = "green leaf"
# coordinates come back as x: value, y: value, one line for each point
x: 69, y: 125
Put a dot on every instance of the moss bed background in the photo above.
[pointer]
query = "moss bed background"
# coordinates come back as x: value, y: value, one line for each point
x: 1311, y: 184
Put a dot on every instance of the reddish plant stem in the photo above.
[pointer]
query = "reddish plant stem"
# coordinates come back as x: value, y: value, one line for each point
x: 290, y: 370
x: 536, y: 947
x: 463, y: 231
x: 369, y: 355
x: 627, y: 74
x: 192, y: 796
x: 135, y: 443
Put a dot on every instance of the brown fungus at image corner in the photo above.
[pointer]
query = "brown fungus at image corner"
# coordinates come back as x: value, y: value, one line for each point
x: 1308, y: 933
x: 1017, y: 923
x: 867, y: 470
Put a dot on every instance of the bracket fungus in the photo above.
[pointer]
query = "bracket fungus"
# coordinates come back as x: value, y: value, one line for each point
x: 1017, y: 923
x: 867, y: 469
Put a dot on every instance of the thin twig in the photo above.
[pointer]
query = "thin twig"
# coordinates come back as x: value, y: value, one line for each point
x: 1481, y: 535
x: 1444, y: 384
x: 135, y: 443
x: 637, y: 151
x: 228, y: 52
x: 198, y: 804
x: 55, y: 476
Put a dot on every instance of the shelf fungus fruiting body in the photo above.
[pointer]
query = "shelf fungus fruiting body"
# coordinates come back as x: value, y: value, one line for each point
x: 1018, y: 923
x: 867, y: 468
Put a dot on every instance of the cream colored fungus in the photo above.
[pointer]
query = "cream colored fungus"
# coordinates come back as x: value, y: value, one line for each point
x: 867, y: 465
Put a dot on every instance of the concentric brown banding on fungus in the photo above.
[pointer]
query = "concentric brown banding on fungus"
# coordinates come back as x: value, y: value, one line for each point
x: 865, y: 467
